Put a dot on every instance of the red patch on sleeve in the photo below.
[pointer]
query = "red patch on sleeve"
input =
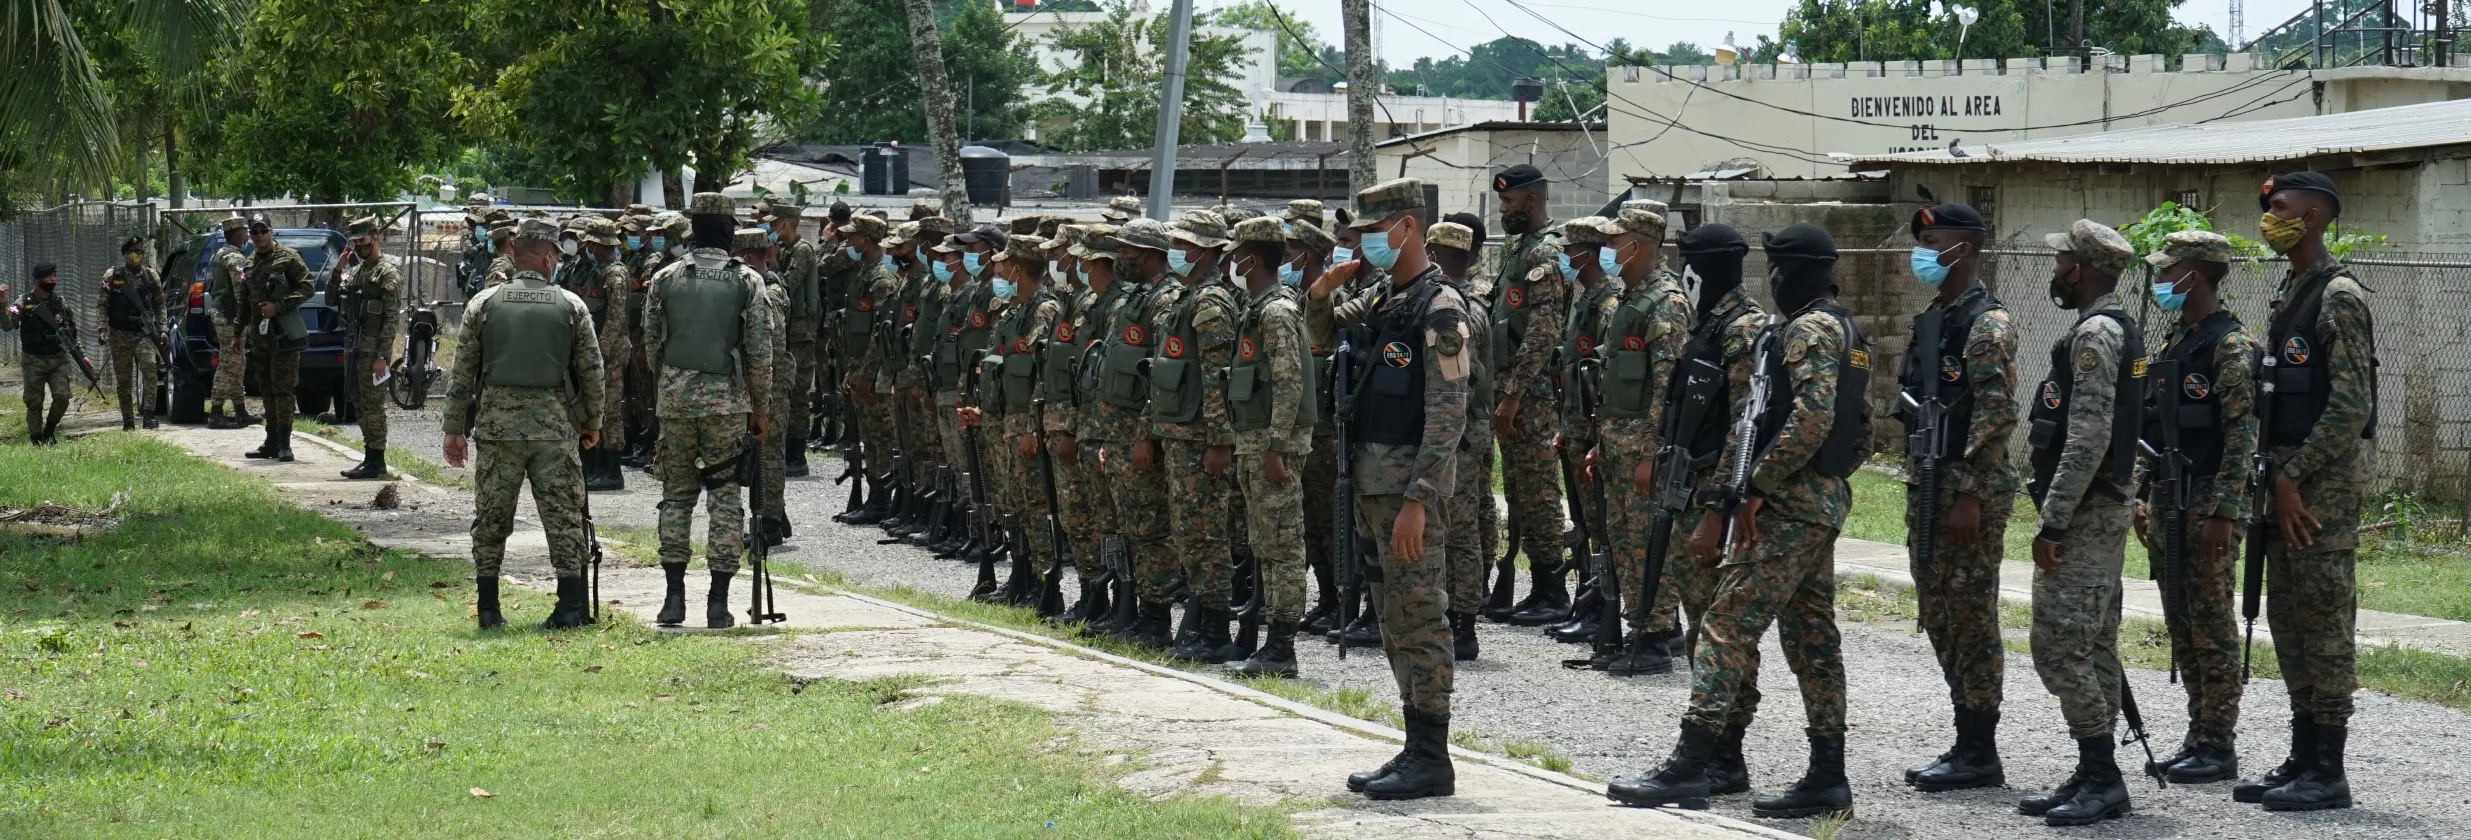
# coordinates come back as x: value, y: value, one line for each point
x: 1133, y: 334
x: 1517, y: 298
x: 1063, y: 333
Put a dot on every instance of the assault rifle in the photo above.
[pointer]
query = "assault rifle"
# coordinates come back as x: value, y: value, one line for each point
x: 1746, y: 434
x: 1608, y: 640
x: 760, y: 608
x: 2136, y: 732
x: 1345, y: 565
x: 592, y: 547
x: 854, y: 472
x: 2261, y: 519
x: 1926, y: 442
x: 1693, y: 395
x: 901, y: 509
x: 2170, y: 501
x: 1050, y: 601
x: 68, y: 339
x: 1499, y: 597
x: 988, y: 544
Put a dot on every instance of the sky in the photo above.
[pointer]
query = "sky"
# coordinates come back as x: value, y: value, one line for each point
x: 1456, y: 24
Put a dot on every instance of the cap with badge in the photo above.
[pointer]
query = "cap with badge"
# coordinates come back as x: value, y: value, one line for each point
x: 1145, y: 233
x: 2094, y: 245
x: 258, y: 223
x: 1451, y: 235
x: 2302, y: 181
x: 1121, y: 209
x: 1584, y: 230
x: 868, y: 226
x: 1261, y: 229
x: 1201, y: 227
x: 1097, y: 242
x: 1516, y: 177
x: 711, y: 204
x: 2186, y: 245
x: 1377, y: 203
x: 1946, y: 217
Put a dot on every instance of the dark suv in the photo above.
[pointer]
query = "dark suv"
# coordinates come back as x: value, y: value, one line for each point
x: 323, y: 382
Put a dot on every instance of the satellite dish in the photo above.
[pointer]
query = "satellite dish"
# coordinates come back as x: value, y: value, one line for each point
x: 1727, y: 53
x: 1966, y: 15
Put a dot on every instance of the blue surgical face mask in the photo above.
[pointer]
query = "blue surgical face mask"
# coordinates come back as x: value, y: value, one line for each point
x: 1055, y: 268
x: 969, y: 262
x: 634, y: 243
x: 2169, y: 297
x: 660, y: 243
x: 1290, y: 275
x: 1377, y: 250
x: 1340, y: 255
x: 850, y: 251
x: 1926, y: 267
x: 772, y: 236
x: 1569, y: 270
x: 1604, y: 259
x: 888, y: 264
x: 942, y: 271
x: 1004, y: 289
x: 1178, y: 263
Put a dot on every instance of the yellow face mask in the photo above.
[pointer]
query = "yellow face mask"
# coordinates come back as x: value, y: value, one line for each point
x: 2281, y: 234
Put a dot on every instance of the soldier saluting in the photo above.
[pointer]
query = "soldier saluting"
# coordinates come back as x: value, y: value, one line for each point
x: 527, y: 385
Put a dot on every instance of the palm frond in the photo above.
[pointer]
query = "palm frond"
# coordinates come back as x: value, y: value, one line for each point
x: 53, y: 106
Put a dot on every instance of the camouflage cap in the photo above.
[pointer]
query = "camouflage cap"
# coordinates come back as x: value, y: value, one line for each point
x: 536, y: 229
x: 602, y: 231
x: 1205, y: 228
x: 1377, y: 203
x: 1261, y: 229
x: 750, y: 239
x: 1097, y: 242
x: 1451, y: 235
x: 1122, y: 208
x: 1303, y: 210
x: 1584, y: 230
x: 1048, y: 224
x: 669, y: 220
x: 501, y: 227
x: 1064, y: 237
x: 476, y: 208
x: 2095, y: 245
x: 638, y: 210
x: 783, y: 210
x: 920, y: 209
x: 1022, y: 247
x: 1640, y: 217
x: 903, y: 234
x: 234, y: 223
x: 632, y: 223
x: 1310, y: 237
x: 711, y: 204
x: 1145, y: 233
x: 868, y: 226
x: 2192, y: 245
x: 1022, y: 225
x: 933, y: 229
x: 363, y: 226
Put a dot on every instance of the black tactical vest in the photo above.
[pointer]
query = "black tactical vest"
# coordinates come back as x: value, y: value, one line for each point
x: 1707, y: 349
x: 1837, y: 456
x: 1579, y: 338
x: 1122, y: 378
x: 1955, y: 383
x: 1248, y: 379
x: 1388, y: 366
x: 2049, y: 435
x: 38, y: 328
x: 2199, y: 415
x: 121, y: 308
x: 2300, y: 372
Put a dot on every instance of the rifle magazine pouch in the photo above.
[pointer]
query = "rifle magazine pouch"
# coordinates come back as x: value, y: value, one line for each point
x: 1393, y: 380
x: 1121, y: 381
x: 1168, y: 396
x: 1629, y: 393
x: 2043, y: 435
x: 1241, y: 383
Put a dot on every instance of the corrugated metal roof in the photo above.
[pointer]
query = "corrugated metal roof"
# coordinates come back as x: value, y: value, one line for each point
x: 2260, y: 141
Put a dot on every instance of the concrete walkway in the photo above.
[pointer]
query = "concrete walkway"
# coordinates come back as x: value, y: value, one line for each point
x: 1177, y: 733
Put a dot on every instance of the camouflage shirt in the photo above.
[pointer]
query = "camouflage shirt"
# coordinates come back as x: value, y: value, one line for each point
x: 224, y: 280
x: 1787, y: 476
x: 507, y: 412
x: 1086, y: 317
x: 1425, y: 473
x: 1740, y: 340
x: 1277, y: 318
x: 695, y: 393
x: 801, y: 270
x: 1982, y: 468
x: 2331, y: 467
x: 2225, y: 493
x: 379, y: 289
x: 501, y: 269
x: 1106, y: 421
x: 879, y: 288
x: 143, y: 283
x: 1661, y: 332
x: 2095, y: 348
x: 1545, y: 302
x: 1588, y: 314
x: 1213, y: 307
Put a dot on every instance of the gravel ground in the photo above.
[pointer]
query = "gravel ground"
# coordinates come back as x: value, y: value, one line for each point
x: 2406, y: 759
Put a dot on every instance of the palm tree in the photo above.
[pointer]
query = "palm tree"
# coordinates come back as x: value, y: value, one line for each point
x: 58, y: 123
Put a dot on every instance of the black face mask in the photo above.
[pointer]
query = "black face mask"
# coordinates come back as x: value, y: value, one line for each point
x: 1798, y: 283
x: 1719, y: 274
x: 1516, y: 222
x: 2063, y: 290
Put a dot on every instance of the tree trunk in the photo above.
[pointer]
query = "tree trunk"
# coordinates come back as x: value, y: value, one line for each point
x: 1361, y: 85
x: 673, y: 189
x: 171, y: 166
x: 927, y: 46
x: 2076, y: 29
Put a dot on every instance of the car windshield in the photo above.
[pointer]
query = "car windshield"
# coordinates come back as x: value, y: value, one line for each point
x: 313, y: 246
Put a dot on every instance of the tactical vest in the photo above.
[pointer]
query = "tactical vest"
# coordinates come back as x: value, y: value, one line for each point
x: 1955, y: 382
x: 1836, y: 458
x: 1579, y: 339
x: 2049, y: 435
x: 1511, y: 292
x: 1060, y: 364
x: 1020, y: 350
x: 590, y: 285
x: 38, y: 330
x: 527, y: 334
x: 1630, y: 387
x: 706, y: 309
x: 858, y: 319
x: 1388, y: 350
x: 224, y: 278
x: 1248, y: 378
x: 921, y: 311
x: 1488, y: 347
x: 1707, y: 350
x: 805, y: 300
x: 121, y: 308
x: 968, y: 331
x: 2199, y: 415
x: 1123, y: 379
x: 1091, y: 344
x: 2300, y: 373
x: 1175, y: 373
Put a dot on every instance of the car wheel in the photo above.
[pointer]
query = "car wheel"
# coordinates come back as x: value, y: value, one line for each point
x: 188, y: 402
x: 311, y: 401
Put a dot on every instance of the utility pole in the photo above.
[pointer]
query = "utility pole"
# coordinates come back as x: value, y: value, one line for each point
x: 1357, y: 17
x: 1170, y: 110
x: 2076, y: 29
x: 927, y: 47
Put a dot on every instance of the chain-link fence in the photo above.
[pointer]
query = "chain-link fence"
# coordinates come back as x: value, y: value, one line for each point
x: 83, y: 240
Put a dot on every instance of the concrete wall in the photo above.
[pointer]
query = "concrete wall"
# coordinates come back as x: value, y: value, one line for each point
x: 2419, y: 208
x: 1462, y: 166
x: 1903, y: 106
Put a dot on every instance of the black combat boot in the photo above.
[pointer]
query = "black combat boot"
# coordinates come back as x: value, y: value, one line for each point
x: 1672, y: 641
x: 1080, y: 611
x: 1822, y: 788
x: 1365, y: 633
x: 1154, y: 628
x: 2100, y: 792
x: 1463, y: 647
x: 241, y: 415
x: 1277, y: 656
x: 1682, y: 781
x: 2322, y: 784
x: 2303, y: 752
x: 606, y: 475
x: 2203, y: 764
x: 487, y: 606
x: 1317, y: 621
x: 1728, y: 772
x: 1585, y: 618
x: 673, y: 595
x: 372, y: 465
x: 716, y: 604
x: 572, y: 609
x: 1972, y: 763
x: 877, y: 508
x: 128, y: 420
x: 1208, y: 642
x: 149, y: 421
x: 283, y: 444
x: 1424, y: 768
x: 1642, y: 656
x: 796, y: 465
x: 215, y: 420
x: 266, y: 449
x: 1548, y: 602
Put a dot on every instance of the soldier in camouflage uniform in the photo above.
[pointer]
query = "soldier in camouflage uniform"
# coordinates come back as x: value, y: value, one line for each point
x: 1780, y: 564
x: 1596, y: 297
x: 275, y: 286
x: 1271, y: 406
x: 1531, y: 307
x: 501, y: 241
x: 920, y: 305
x: 2084, y: 421
x: 377, y: 295
x: 2322, y: 357
x: 1068, y: 386
x: 1725, y: 334
x: 2216, y: 361
x: 800, y: 265
x: 224, y: 273
x: 1116, y: 424
x: 527, y: 385
x: 130, y: 308
x: 1643, y: 339
x: 1959, y: 588
x: 1453, y: 247
x: 46, y: 332
x: 1410, y: 340
x: 605, y: 295
x: 1308, y: 253
x: 940, y: 323
x: 1188, y: 415
x: 661, y: 232
x: 752, y: 246
x: 707, y: 332
x: 1025, y: 313
x: 866, y: 326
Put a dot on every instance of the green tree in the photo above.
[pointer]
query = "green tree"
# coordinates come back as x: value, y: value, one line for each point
x: 1109, y: 100
x: 1299, y: 46
x: 61, y: 118
x: 1912, y: 30
x: 873, y: 80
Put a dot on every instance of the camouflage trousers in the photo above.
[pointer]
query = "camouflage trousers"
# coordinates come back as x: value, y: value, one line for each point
x: 1135, y: 494
x: 499, y: 470
x: 916, y: 413
x: 688, y: 445
x: 948, y: 430
x: 1467, y: 552
x: 1531, y: 478
x: 1959, y: 600
x: 642, y: 394
x: 1274, y: 518
x: 1320, y: 471
x: 2314, y: 611
x: 134, y: 350
x: 1788, y: 577
x: 783, y: 432
x: 1087, y: 514
x: 2205, y: 640
x: 230, y: 369
x: 614, y: 346
x: 369, y: 399
x: 801, y: 382
x: 1029, y: 489
x: 1629, y: 515
x: 45, y: 376
x: 282, y: 380
x: 1409, y: 596
x: 1199, y: 518
x: 2075, y: 639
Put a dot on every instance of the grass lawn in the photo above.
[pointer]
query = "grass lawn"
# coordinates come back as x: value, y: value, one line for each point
x: 226, y: 665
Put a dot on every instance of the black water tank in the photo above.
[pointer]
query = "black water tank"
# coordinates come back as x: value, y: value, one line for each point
x: 985, y: 173
x: 884, y: 170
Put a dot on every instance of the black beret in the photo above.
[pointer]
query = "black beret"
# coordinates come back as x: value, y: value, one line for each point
x: 2302, y: 181
x: 1516, y: 177
x: 133, y: 244
x: 1801, y: 240
x: 1950, y: 216
x: 1713, y: 239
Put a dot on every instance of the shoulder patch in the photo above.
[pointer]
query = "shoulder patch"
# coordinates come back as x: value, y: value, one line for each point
x: 2136, y: 369
x: 2087, y: 359
x: 1859, y: 359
